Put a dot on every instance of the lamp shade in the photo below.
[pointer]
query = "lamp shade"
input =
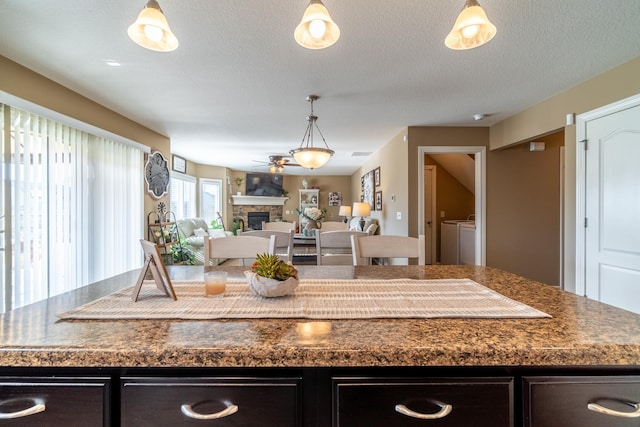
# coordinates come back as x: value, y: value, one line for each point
x: 311, y: 157
x: 151, y: 29
x: 361, y: 209
x: 344, y: 211
x: 471, y: 29
x: 316, y: 30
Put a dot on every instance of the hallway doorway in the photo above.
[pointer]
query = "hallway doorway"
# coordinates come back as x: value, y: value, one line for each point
x: 479, y: 153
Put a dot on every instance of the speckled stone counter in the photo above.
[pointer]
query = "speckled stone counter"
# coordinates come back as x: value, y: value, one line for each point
x: 581, y: 332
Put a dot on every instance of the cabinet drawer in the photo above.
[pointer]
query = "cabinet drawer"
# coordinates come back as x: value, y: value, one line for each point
x: 166, y: 401
x: 380, y: 402
x: 555, y: 401
x: 55, y: 401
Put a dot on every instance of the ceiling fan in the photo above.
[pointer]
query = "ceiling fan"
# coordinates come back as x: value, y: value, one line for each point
x: 277, y: 163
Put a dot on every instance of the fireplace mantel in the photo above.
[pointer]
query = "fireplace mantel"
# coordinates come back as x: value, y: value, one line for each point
x: 259, y: 200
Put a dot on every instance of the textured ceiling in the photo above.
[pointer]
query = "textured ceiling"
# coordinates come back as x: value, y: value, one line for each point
x: 235, y: 89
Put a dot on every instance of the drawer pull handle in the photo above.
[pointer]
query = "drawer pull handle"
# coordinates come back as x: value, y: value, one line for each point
x: 38, y: 406
x: 445, y: 409
x: 189, y: 412
x: 604, y: 410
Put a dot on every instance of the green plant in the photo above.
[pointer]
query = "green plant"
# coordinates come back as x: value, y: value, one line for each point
x: 270, y: 266
x: 239, y: 180
x: 181, y: 254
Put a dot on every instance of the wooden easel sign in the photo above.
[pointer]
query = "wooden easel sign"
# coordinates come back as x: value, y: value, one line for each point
x: 153, y: 262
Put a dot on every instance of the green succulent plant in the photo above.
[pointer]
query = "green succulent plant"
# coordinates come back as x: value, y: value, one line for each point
x: 270, y: 266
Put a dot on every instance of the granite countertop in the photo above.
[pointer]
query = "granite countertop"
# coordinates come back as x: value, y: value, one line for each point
x: 581, y: 332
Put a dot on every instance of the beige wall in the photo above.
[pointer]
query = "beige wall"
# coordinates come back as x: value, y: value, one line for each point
x: 33, y: 88
x: 524, y: 206
x: 549, y: 116
x: 394, y: 184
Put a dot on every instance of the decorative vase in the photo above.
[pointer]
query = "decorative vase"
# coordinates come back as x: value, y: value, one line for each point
x: 310, y: 227
x: 269, y: 288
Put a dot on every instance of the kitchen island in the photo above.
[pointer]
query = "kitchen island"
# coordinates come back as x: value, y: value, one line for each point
x: 324, y: 373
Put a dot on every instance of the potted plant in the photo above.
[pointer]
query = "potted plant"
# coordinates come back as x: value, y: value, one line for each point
x: 271, y: 277
x: 239, y: 180
x: 182, y: 255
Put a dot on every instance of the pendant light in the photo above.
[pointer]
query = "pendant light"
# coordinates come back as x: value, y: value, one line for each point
x: 151, y: 29
x: 316, y: 30
x: 307, y: 155
x: 472, y: 28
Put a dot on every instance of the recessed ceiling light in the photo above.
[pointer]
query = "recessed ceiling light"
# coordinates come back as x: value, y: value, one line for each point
x: 112, y: 62
x: 479, y: 116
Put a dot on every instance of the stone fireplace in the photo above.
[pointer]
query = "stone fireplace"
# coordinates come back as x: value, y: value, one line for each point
x: 261, y: 207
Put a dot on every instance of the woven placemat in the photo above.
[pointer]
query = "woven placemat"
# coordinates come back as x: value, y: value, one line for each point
x: 313, y: 299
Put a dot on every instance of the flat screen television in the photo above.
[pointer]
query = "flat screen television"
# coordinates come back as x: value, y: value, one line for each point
x: 264, y: 184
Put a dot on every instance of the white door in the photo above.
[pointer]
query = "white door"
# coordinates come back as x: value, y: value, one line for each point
x: 429, y: 205
x: 612, y: 206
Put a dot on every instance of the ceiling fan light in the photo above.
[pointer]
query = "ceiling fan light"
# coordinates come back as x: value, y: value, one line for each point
x: 312, y: 157
x: 471, y: 29
x: 151, y: 29
x: 316, y: 30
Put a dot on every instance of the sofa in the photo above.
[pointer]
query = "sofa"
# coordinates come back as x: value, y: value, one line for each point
x: 192, y: 232
x: 370, y: 225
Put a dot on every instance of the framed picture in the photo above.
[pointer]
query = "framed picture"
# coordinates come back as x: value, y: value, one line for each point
x: 369, y: 188
x: 179, y: 164
x: 153, y: 263
x: 378, y: 200
x: 335, y: 199
x: 376, y: 176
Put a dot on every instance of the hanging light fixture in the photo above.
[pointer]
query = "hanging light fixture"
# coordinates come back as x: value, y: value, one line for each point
x: 151, y: 29
x: 316, y: 30
x: 472, y: 28
x: 307, y: 155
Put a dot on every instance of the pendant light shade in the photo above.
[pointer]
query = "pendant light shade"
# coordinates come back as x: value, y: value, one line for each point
x: 472, y: 28
x: 316, y: 30
x: 151, y: 29
x: 307, y: 155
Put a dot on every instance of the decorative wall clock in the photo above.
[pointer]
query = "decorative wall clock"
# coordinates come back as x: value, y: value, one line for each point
x: 156, y: 174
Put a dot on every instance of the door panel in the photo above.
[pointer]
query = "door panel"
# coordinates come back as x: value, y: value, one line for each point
x: 612, y: 237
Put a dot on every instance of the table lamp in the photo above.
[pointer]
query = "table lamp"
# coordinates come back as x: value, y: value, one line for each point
x: 361, y: 210
x: 345, y: 211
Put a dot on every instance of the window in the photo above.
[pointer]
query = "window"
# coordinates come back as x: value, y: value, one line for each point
x: 71, y: 207
x: 183, y: 196
x: 211, y: 199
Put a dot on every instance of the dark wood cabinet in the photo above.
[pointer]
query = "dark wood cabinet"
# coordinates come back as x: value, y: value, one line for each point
x: 215, y: 401
x: 322, y: 397
x: 408, y: 402
x: 584, y: 401
x: 54, y: 401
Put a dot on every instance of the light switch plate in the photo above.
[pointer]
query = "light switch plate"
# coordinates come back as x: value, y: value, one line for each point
x: 398, y: 215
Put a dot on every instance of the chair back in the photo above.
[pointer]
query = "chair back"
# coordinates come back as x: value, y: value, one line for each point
x: 365, y: 248
x: 237, y: 247
x: 283, y: 245
x: 334, y: 247
x: 278, y: 226
x: 334, y: 226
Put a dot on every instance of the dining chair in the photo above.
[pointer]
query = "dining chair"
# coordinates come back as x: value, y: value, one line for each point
x: 334, y: 226
x: 284, y: 241
x: 386, y: 246
x: 278, y: 225
x: 237, y: 247
x: 334, y: 247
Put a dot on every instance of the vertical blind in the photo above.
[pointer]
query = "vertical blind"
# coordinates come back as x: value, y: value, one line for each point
x: 72, y: 208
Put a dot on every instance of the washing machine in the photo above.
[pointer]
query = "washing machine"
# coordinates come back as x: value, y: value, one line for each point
x: 450, y: 241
